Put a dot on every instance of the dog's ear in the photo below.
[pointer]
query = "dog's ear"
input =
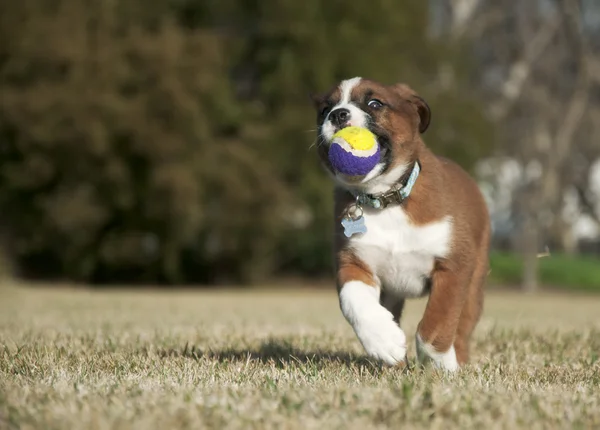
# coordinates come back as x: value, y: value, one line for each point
x: 316, y: 98
x: 424, y: 113
x: 423, y: 109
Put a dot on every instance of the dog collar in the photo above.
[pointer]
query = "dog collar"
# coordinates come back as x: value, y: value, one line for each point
x: 396, y: 194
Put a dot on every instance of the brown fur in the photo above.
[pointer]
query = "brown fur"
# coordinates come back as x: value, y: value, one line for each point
x: 443, y: 188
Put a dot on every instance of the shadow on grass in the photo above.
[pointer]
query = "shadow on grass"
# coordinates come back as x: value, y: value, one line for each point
x: 276, y: 352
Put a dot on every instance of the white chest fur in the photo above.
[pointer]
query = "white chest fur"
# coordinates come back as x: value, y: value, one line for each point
x: 400, y: 253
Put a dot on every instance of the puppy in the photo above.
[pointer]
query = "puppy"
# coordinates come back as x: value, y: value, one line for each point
x: 424, y: 229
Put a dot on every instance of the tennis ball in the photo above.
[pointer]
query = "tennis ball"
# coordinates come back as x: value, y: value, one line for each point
x: 354, y: 151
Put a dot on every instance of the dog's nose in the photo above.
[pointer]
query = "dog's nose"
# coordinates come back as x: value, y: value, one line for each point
x: 339, y: 116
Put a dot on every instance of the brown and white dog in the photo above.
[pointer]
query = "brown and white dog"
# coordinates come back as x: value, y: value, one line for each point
x: 435, y: 241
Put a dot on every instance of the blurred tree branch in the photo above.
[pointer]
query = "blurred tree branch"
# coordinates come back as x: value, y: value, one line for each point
x: 520, y: 71
x: 538, y: 70
x: 587, y: 203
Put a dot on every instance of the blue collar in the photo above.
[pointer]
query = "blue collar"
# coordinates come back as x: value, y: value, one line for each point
x: 397, y: 194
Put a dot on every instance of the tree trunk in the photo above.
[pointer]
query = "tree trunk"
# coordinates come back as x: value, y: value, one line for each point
x: 563, y: 237
x: 529, y: 283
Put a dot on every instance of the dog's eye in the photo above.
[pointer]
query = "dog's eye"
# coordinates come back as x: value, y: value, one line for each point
x: 375, y: 104
x: 325, y: 110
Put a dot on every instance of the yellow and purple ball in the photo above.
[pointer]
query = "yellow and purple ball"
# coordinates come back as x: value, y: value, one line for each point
x: 354, y: 151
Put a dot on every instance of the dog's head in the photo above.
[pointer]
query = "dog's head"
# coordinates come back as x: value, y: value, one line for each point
x: 395, y: 114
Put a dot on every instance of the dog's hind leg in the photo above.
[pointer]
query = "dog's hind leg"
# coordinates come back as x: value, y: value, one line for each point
x: 437, y: 330
x: 471, y: 312
x: 393, y: 304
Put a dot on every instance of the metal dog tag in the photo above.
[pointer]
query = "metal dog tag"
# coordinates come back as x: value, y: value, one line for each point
x: 353, y: 221
x: 354, y: 226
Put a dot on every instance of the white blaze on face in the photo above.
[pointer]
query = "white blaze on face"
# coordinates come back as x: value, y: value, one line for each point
x: 358, y: 118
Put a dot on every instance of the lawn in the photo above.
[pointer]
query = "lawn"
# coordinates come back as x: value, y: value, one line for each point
x: 564, y: 272
x: 83, y: 359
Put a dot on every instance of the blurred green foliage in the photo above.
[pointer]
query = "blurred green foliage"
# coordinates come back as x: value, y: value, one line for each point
x: 572, y: 273
x: 168, y: 141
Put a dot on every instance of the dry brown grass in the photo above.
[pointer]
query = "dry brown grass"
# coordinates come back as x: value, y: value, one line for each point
x: 80, y: 359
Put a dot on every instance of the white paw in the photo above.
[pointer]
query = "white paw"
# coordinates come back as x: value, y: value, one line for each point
x: 426, y: 353
x: 382, y: 338
x: 374, y: 325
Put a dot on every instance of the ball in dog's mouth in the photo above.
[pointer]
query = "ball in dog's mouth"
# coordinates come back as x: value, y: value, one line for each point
x: 354, y: 151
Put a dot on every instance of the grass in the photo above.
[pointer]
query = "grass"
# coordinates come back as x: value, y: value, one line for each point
x: 81, y: 359
x: 575, y: 273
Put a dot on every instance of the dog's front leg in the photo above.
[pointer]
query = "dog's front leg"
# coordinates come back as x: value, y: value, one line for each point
x: 437, y: 330
x: 373, y: 324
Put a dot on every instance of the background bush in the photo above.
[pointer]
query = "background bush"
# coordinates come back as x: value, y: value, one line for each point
x: 168, y: 141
